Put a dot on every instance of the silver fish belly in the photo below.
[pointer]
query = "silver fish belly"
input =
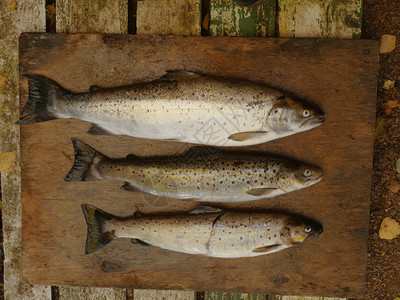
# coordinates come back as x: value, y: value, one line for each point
x: 186, y: 108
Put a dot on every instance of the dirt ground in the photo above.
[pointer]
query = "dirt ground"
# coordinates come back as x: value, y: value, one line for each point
x: 383, y: 272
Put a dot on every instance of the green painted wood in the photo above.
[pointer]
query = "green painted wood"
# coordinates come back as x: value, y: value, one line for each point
x: 320, y: 18
x: 232, y: 296
x: 228, y: 18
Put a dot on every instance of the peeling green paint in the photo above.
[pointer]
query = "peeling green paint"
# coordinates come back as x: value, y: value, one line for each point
x: 228, y: 18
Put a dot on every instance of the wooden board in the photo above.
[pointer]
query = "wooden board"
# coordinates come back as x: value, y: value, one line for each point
x: 320, y: 18
x: 337, y: 75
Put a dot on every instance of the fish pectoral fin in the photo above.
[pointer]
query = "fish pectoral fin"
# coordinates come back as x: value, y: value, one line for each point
x: 179, y: 75
x: 244, y: 136
x: 267, y: 248
x: 127, y: 186
x: 260, y: 191
x: 205, y: 210
x: 97, y: 130
x: 139, y: 242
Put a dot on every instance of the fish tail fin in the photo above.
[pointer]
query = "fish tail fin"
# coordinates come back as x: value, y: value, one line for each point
x: 85, y: 163
x: 97, y: 237
x: 42, y: 91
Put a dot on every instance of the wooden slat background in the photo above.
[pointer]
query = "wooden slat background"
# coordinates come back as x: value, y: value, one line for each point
x: 29, y: 16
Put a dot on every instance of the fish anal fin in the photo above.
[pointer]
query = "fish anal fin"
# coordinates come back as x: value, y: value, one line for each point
x: 97, y: 130
x: 244, y: 136
x: 205, y: 210
x: 127, y: 186
x: 265, y: 249
x: 260, y: 191
x: 94, y: 88
x: 139, y: 242
x: 180, y: 75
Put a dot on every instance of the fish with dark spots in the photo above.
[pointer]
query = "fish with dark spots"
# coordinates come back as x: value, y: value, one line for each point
x: 180, y: 106
x: 205, y: 231
x: 197, y: 174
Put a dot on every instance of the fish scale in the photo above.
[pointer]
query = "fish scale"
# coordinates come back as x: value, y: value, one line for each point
x: 217, y: 234
x: 181, y: 106
x: 219, y: 176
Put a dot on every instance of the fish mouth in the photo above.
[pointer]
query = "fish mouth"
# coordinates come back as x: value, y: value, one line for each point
x: 317, y: 229
x: 316, y: 121
x: 316, y: 179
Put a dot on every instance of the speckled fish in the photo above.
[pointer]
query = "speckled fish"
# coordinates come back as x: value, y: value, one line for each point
x: 199, y: 173
x: 217, y: 234
x: 180, y: 106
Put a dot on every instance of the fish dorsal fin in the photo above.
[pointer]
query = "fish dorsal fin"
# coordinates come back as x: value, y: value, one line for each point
x: 205, y: 210
x: 244, y: 136
x: 269, y: 248
x: 260, y: 191
x: 97, y: 130
x: 181, y: 75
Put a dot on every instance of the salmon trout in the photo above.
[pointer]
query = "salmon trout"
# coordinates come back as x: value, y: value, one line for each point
x: 181, y: 106
x: 217, y: 234
x: 197, y: 174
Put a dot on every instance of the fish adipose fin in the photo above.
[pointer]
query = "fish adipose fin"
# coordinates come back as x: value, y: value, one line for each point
x: 97, y: 130
x: 85, y: 163
x: 179, y: 75
x: 42, y: 90
x: 261, y: 191
x: 97, y: 238
x: 267, y: 248
x: 244, y: 136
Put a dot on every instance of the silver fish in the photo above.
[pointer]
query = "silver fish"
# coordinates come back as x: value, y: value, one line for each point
x: 215, y: 233
x: 199, y: 173
x: 181, y: 106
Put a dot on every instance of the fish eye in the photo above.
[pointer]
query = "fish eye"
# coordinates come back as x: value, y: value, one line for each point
x: 307, y: 173
x: 307, y: 229
x: 306, y: 113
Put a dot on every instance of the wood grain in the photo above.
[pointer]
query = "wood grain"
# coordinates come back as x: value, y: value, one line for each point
x: 14, y: 19
x: 315, y: 18
x: 337, y: 75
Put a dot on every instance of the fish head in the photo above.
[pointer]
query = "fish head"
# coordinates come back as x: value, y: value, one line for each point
x: 290, y: 115
x: 298, y: 230
x: 295, y: 177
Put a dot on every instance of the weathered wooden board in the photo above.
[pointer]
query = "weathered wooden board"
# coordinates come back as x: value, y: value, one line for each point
x: 91, y: 16
x: 165, y: 295
x: 320, y: 18
x: 169, y: 17
x: 15, y: 17
x: 233, y: 296
x: 228, y: 18
x: 337, y: 75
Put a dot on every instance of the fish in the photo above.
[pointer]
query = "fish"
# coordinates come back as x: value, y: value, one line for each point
x: 209, y: 232
x: 180, y: 106
x: 202, y: 173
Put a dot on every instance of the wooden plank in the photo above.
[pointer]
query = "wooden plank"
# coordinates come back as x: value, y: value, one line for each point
x: 276, y: 297
x: 92, y: 293
x: 232, y: 296
x: 338, y: 75
x: 169, y: 17
x: 92, y: 16
x: 316, y: 18
x: 165, y: 295
x: 228, y: 18
x: 16, y: 17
